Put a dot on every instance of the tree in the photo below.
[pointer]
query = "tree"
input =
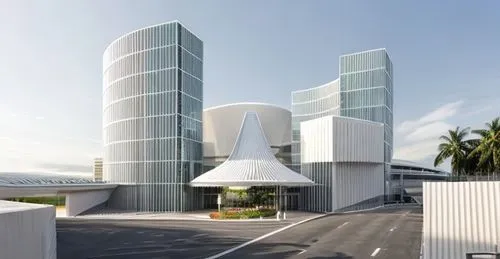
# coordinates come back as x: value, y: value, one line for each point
x: 454, y: 146
x: 488, y: 147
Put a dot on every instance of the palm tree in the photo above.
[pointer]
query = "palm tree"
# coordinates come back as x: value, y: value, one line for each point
x: 488, y: 148
x: 455, y: 146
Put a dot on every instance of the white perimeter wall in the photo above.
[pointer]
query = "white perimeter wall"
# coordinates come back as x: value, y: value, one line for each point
x: 460, y: 217
x: 78, y: 202
x: 27, y: 231
x: 356, y: 182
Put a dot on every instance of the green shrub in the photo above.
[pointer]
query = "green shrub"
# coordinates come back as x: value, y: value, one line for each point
x: 242, y: 214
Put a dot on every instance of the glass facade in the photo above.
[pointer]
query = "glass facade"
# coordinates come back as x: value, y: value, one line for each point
x: 310, y: 104
x: 152, y: 118
x: 366, y: 92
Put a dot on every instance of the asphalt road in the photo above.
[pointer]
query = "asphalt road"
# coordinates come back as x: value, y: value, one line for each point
x: 112, y: 239
x: 384, y: 233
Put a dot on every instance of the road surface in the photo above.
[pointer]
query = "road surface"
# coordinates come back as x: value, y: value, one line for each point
x: 384, y: 233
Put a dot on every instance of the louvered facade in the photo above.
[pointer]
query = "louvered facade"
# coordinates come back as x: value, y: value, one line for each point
x: 152, y: 125
x: 343, y: 157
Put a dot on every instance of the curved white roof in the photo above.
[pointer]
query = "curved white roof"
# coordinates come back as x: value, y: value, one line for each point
x: 41, y: 179
x: 251, y: 163
x: 221, y: 125
x: 407, y: 163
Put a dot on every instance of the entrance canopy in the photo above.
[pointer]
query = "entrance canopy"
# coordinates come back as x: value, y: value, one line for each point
x: 251, y: 163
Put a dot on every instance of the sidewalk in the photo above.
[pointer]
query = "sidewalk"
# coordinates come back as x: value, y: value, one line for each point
x: 202, y: 215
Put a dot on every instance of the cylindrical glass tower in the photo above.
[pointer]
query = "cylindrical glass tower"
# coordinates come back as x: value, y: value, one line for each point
x: 152, y: 125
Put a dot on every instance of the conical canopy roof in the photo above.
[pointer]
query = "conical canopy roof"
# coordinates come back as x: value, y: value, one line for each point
x: 251, y: 163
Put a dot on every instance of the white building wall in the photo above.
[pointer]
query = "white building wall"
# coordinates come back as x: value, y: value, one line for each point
x: 460, y: 217
x: 357, y: 182
x: 78, y: 202
x: 345, y: 157
x: 27, y: 231
x: 341, y: 139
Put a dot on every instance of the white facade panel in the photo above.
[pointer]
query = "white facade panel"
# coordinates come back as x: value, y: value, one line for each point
x: 341, y: 139
x: 27, y: 231
x: 356, y: 182
x: 78, y: 202
x: 316, y: 140
x: 459, y: 218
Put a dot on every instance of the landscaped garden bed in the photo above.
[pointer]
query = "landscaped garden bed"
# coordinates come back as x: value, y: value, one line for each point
x: 243, y: 213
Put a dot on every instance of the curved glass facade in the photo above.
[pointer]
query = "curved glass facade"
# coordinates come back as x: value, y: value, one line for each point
x: 152, y: 125
x: 311, y: 104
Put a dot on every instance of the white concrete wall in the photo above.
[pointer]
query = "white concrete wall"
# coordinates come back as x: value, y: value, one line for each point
x: 460, y: 217
x: 78, y: 202
x: 341, y: 139
x: 27, y: 231
x: 356, y: 182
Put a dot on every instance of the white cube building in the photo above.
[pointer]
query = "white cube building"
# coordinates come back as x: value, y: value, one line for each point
x: 27, y: 231
x: 345, y: 158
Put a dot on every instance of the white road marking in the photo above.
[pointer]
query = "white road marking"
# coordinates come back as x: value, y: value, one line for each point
x: 375, y: 252
x: 301, y: 252
x: 345, y: 223
x: 263, y: 236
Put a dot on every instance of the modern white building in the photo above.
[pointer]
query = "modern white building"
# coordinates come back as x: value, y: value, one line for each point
x: 251, y: 162
x: 152, y: 108
x: 407, y: 178
x: 364, y: 90
x: 221, y: 125
x: 343, y: 157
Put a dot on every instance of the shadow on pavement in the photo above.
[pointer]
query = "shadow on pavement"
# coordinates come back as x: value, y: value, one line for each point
x: 93, y: 239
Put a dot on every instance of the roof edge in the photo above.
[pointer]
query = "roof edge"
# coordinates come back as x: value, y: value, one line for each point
x: 244, y: 103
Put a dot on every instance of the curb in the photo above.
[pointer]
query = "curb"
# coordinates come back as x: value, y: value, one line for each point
x: 176, y: 219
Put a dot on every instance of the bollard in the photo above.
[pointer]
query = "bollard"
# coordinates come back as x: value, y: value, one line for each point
x: 284, y: 215
x: 278, y: 216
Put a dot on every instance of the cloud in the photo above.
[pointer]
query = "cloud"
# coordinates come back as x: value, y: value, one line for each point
x: 417, y: 151
x: 428, y: 131
x: 40, y: 118
x: 441, y: 113
x: 6, y: 139
x: 479, y: 110
x: 420, y: 137
x: 95, y: 141
x: 66, y: 168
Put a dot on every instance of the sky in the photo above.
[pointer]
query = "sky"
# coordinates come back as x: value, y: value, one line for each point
x: 445, y: 55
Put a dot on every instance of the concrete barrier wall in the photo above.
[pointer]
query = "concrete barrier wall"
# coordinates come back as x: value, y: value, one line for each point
x: 78, y: 202
x: 27, y: 231
x: 459, y: 218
